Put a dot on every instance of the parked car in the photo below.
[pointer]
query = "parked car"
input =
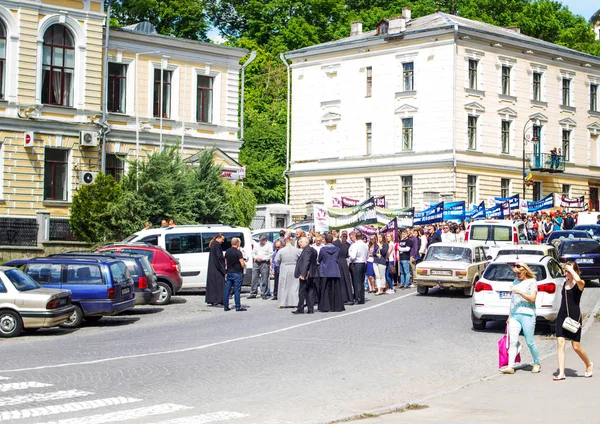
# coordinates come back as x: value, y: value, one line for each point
x: 144, y: 278
x: 306, y: 225
x: 165, y: 265
x: 451, y: 265
x: 272, y: 234
x: 592, y: 229
x: 531, y: 249
x: 585, y: 252
x: 556, y: 236
x: 189, y: 244
x: 496, y: 234
x: 99, y: 286
x: 492, y: 297
x: 24, y: 304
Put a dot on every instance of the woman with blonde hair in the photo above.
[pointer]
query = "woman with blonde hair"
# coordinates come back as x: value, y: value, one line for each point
x: 522, y: 316
x: 569, y: 308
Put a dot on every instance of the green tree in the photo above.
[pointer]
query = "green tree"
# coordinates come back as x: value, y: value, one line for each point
x: 243, y: 204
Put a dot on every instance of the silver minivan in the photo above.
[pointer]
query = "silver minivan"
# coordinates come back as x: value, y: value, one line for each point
x: 495, y: 234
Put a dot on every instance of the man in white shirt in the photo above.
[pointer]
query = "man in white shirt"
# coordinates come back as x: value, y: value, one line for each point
x: 358, y: 253
x: 262, y: 254
x: 447, y: 235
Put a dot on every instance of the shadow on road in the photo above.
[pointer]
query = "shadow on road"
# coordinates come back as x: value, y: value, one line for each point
x: 143, y: 311
x: 448, y: 293
x: 45, y: 332
x: 177, y: 300
x: 111, y: 321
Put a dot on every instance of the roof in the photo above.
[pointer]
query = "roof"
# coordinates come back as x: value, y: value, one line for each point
x: 440, y: 21
x: 528, y: 259
x: 465, y: 244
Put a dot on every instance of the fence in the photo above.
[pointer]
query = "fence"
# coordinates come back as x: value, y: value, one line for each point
x: 18, y: 231
x: 60, y: 230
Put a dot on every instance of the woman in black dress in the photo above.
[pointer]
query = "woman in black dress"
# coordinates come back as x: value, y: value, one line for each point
x: 215, y: 276
x: 569, y: 307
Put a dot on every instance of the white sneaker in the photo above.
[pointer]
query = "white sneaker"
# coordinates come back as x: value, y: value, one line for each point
x: 391, y: 291
x: 412, y: 286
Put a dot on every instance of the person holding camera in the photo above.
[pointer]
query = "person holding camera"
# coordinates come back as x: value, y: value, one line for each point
x: 568, y: 321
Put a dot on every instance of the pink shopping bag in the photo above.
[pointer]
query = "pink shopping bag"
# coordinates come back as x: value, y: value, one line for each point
x: 503, y: 345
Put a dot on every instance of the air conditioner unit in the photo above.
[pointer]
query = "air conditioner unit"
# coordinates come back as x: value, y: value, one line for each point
x: 87, y: 177
x: 89, y: 139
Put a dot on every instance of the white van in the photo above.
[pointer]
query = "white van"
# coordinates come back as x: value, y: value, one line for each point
x: 496, y: 234
x: 189, y: 244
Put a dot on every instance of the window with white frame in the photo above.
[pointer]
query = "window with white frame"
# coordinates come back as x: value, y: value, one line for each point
x: 504, y: 187
x: 505, y: 130
x: 369, y: 137
x: 368, y: 187
x: 472, y: 132
x: 408, y: 76
x: 566, y: 144
x: 58, y: 66
x: 407, y: 191
x: 2, y: 59
x: 162, y: 98
x: 594, y: 97
x: 407, y: 134
x: 369, y: 81
x: 537, y: 86
x: 471, y: 189
x: 566, y: 91
x: 117, y: 87
x: 506, y: 80
x: 473, y: 67
x: 56, y: 173
x: 204, y: 105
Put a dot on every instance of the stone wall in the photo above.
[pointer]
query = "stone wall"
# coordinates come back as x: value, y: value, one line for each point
x: 8, y: 253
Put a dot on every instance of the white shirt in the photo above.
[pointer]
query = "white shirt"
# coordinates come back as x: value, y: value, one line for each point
x: 447, y: 236
x: 262, y: 253
x: 358, y: 252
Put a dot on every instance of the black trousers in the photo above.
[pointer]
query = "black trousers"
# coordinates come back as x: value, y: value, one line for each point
x: 358, y: 272
x: 275, y: 280
x: 307, y: 294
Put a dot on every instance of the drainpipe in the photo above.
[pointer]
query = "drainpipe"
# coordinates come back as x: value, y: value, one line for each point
x: 454, y: 108
x: 105, y: 127
x: 287, y: 133
x: 244, y: 66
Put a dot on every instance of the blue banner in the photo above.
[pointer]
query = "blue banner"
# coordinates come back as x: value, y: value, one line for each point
x: 514, y: 201
x: 454, y: 211
x: 478, y: 212
x: 538, y: 205
x: 495, y: 212
x: 431, y: 215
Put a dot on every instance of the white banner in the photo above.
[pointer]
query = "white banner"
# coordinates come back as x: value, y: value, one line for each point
x: 321, y: 217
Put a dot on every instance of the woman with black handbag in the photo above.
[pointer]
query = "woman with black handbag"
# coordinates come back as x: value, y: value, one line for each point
x: 568, y: 321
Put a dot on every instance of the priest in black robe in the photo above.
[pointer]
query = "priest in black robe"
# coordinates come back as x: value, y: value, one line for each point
x: 345, y: 278
x: 215, y: 277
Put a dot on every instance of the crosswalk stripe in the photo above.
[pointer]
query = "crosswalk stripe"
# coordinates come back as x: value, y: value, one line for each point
x: 42, y: 397
x: 66, y: 407
x: 206, y: 418
x: 7, y: 387
x: 132, y: 414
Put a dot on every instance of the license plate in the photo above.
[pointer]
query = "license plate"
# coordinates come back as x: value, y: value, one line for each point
x: 125, y: 290
x: 584, y: 261
x: 434, y: 272
x: 504, y: 294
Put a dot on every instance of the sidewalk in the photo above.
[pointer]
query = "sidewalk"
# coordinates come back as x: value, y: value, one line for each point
x: 522, y: 397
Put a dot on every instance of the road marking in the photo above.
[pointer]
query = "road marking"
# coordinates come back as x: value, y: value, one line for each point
x: 7, y: 387
x: 42, y: 397
x: 66, y: 407
x: 206, y: 346
x: 206, y: 418
x: 132, y: 414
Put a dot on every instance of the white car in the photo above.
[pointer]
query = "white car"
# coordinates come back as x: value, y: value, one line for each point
x: 529, y: 249
x: 496, y: 234
x: 491, y: 300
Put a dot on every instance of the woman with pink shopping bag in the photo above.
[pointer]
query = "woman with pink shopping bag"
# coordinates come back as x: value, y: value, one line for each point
x: 522, y: 316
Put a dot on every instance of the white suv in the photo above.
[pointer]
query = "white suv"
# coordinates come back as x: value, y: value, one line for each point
x: 491, y: 299
x: 495, y: 234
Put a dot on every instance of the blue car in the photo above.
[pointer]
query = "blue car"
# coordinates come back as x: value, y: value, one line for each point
x: 584, y: 252
x: 99, y: 286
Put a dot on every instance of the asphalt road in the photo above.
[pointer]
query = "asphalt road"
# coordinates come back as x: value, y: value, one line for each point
x: 188, y: 363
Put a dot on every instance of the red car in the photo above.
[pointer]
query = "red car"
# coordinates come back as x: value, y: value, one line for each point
x: 165, y: 265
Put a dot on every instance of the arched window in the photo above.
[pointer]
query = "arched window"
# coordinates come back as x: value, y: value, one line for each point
x: 58, y: 66
x: 2, y: 58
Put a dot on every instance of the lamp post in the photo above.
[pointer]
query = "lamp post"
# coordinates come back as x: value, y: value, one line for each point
x: 535, y: 122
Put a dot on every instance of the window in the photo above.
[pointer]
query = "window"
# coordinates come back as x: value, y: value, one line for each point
x: 473, y: 74
x: 408, y: 76
x: 44, y: 273
x: 537, y: 190
x: 183, y: 243
x: 471, y: 189
x: 505, y: 136
x: 407, y: 190
x: 566, y: 144
x: 84, y: 274
x: 205, y: 99
x: 55, y: 174
x: 115, y: 166
x: 369, y: 129
x: 207, y: 237
x: 537, y: 86
x: 504, y: 187
x: 593, y: 95
x: 162, y: 103
x: 472, y: 132
x: 369, y: 81
x: 117, y: 87
x: 407, y: 134
x: 566, y: 190
x: 566, y: 92
x: 2, y: 58
x: 58, y: 66
x: 506, y: 80
x: 368, y: 187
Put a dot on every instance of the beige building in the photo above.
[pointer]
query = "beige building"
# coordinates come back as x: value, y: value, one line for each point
x: 442, y: 108
x: 160, y: 90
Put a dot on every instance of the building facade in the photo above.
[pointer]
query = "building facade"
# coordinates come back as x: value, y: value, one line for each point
x: 442, y: 108
x: 160, y: 91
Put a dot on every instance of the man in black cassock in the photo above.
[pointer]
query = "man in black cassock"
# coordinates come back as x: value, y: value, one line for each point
x: 215, y: 277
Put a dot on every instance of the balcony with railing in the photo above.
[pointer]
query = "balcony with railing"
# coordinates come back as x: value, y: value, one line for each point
x: 546, y: 162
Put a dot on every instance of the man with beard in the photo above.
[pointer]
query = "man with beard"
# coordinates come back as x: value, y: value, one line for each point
x: 304, y: 267
x: 215, y: 276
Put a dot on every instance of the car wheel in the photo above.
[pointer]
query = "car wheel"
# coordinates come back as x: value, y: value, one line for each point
x: 478, y: 324
x: 93, y: 318
x: 165, y: 293
x: 75, y: 319
x: 422, y: 289
x: 11, y: 324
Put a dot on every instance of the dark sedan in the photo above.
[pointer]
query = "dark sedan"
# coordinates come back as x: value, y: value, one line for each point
x: 592, y: 229
x: 585, y: 252
x: 556, y: 236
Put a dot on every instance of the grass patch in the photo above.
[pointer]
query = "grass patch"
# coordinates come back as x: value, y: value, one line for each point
x: 408, y: 407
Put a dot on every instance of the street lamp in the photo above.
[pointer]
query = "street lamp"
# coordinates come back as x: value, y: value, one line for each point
x: 535, y: 123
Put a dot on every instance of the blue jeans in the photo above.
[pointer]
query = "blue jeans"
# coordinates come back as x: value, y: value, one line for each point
x: 388, y: 276
x: 404, y: 273
x: 527, y: 323
x: 236, y: 281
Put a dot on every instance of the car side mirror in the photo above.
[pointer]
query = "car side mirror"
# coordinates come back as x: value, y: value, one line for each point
x: 489, y: 257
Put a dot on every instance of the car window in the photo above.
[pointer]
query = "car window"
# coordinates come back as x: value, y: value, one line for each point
x: 478, y: 255
x: 554, y: 269
x: 520, y: 252
x: 20, y: 280
x: 131, y: 266
x: 2, y: 287
x: 591, y: 230
x: 83, y: 274
x: 146, y: 265
x: 45, y: 273
x: 207, y: 237
x: 119, y: 272
x: 522, y: 232
x: 578, y: 248
x: 479, y: 232
x: 502, y: 233
x: 183, y: 243
x: 448, y: 253
x: 147, y: 253
x: 151, y: 239
x: 504, y: 272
